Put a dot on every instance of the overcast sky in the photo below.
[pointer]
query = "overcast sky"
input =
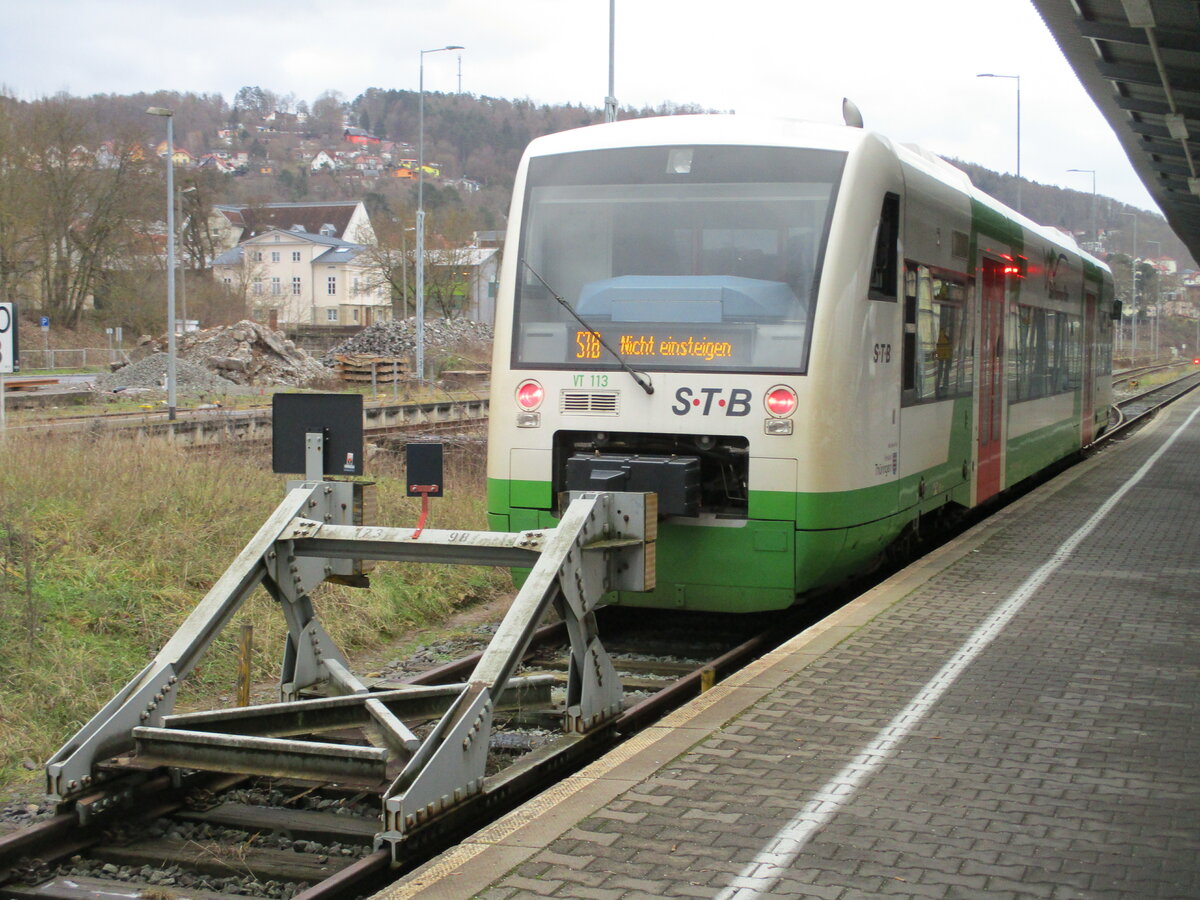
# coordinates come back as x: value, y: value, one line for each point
x: 911, y: 67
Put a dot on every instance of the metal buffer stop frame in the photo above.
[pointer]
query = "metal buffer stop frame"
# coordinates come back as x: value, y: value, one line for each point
x: 604, y: 542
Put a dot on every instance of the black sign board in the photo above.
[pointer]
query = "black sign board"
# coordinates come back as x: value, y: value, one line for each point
x: 424, y: 469
x: 338, y: 418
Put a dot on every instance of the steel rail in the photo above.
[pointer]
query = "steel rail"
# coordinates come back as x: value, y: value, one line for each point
x: 1130, y: 413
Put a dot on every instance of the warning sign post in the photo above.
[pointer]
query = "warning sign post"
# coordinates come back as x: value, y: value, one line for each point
x: 8, y: 349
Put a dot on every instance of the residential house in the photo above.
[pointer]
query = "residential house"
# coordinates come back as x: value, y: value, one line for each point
x: 472, y: 274
x: 181, y: 156
x: 358, y: 136
x: 217, y: 162
x: 466, y: 185
x: 346, y: 220
x: 295, y: 277
x: 324, y: 160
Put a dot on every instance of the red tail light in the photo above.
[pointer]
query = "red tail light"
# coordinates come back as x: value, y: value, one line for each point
x: 781, y: 401
x: 530, y: 395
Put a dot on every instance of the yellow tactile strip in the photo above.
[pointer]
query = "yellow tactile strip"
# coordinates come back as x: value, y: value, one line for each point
x: 482, y: 860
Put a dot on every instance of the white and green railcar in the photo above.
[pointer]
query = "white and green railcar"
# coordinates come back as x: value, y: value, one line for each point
x: 804, y: 338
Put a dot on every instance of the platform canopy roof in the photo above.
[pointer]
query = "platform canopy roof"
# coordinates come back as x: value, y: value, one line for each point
x: 1140, y: 62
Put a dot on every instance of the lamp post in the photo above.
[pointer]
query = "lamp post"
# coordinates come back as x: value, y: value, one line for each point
x: 1017, y: 78
x: 169, y: 115
x: 1095, y: 232
x: 420, y: 335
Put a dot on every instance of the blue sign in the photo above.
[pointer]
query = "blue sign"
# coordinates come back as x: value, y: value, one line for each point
x: 45, y: 321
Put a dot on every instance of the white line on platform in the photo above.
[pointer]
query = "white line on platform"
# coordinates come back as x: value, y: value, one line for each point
x: 778, y: 854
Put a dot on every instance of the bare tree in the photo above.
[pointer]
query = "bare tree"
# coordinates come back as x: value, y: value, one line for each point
x: 15, y: 232
x: 88, y: 210
x: 387, y: 262
x: 328, y: 115
x: 197, y: 242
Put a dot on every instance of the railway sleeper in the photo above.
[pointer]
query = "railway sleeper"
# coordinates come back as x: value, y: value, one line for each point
x: 427, y: 744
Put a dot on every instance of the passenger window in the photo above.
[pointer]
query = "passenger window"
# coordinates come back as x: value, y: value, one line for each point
x: 936, y: 354
x: 887, y: 239
x: 1048, y: 356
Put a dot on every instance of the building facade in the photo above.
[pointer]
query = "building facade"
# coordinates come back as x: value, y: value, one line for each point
x: 299, y: 278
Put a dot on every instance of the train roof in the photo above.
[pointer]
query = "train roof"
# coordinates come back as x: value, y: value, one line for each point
x: 780, y: 132
x: 699, y: 129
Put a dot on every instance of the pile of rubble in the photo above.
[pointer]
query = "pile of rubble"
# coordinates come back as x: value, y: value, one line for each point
x: 398, y: 339
x: 251, y: 354
x: 150, y: 374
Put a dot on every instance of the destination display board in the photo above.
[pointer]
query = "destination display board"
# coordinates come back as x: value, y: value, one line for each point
x: 649, y: 346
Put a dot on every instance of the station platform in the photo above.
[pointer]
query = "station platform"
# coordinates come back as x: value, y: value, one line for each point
x: 1015, y: 715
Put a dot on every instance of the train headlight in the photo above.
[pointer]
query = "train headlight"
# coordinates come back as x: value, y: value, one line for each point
x: 530, y: 395
x: 780, y: 401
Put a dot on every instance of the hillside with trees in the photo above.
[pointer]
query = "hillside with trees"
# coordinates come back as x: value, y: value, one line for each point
x: 81, y: 185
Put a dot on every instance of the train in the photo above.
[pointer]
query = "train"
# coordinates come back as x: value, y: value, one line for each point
x: 808, y: 340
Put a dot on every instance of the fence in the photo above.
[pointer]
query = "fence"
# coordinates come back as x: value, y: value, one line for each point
x: 82, y: 358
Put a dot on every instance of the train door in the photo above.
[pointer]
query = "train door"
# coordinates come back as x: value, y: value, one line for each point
x: 990, y: 446
x: 1088, y: 412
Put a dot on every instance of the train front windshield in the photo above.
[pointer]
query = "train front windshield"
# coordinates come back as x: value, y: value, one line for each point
x: 679, y: 258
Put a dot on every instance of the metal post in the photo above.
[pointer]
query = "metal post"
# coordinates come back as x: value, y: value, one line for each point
x: 182, y: 246
x: 420, y: 335
x: 171, y: 268
x: 404, y: 273
x: 420, y: 236
x: 610, y: 102
x: 1095, y: 230
x: 170, y: 117
x: 1017, y: 78
x: 1156, y: 349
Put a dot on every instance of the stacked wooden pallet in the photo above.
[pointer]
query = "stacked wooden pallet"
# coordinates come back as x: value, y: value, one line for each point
x: 362, y: 368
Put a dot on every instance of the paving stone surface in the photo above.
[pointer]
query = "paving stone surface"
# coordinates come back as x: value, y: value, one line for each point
x: 1063, y: 762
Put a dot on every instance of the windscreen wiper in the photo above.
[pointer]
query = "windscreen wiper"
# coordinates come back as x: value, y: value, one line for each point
x: 642, y: 381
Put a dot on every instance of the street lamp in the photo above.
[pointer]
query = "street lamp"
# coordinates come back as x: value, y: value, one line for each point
x: 1018, y: 80
x: 420, y: 336
x: 169, y: 115
x: 1095, y: 232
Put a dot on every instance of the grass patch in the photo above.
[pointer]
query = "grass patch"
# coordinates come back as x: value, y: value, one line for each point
x: 106, y: 545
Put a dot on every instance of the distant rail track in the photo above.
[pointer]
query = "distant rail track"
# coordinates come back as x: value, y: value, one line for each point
x: 1132, y: 409
x: 210, y: 427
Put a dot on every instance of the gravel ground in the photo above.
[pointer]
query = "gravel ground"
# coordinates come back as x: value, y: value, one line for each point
x: 151, y: 374
x: 398, y: 338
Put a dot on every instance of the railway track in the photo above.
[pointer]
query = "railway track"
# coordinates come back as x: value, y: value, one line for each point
x: 211, y: 835
x: 212, y: 427
x: 1133, y: 409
